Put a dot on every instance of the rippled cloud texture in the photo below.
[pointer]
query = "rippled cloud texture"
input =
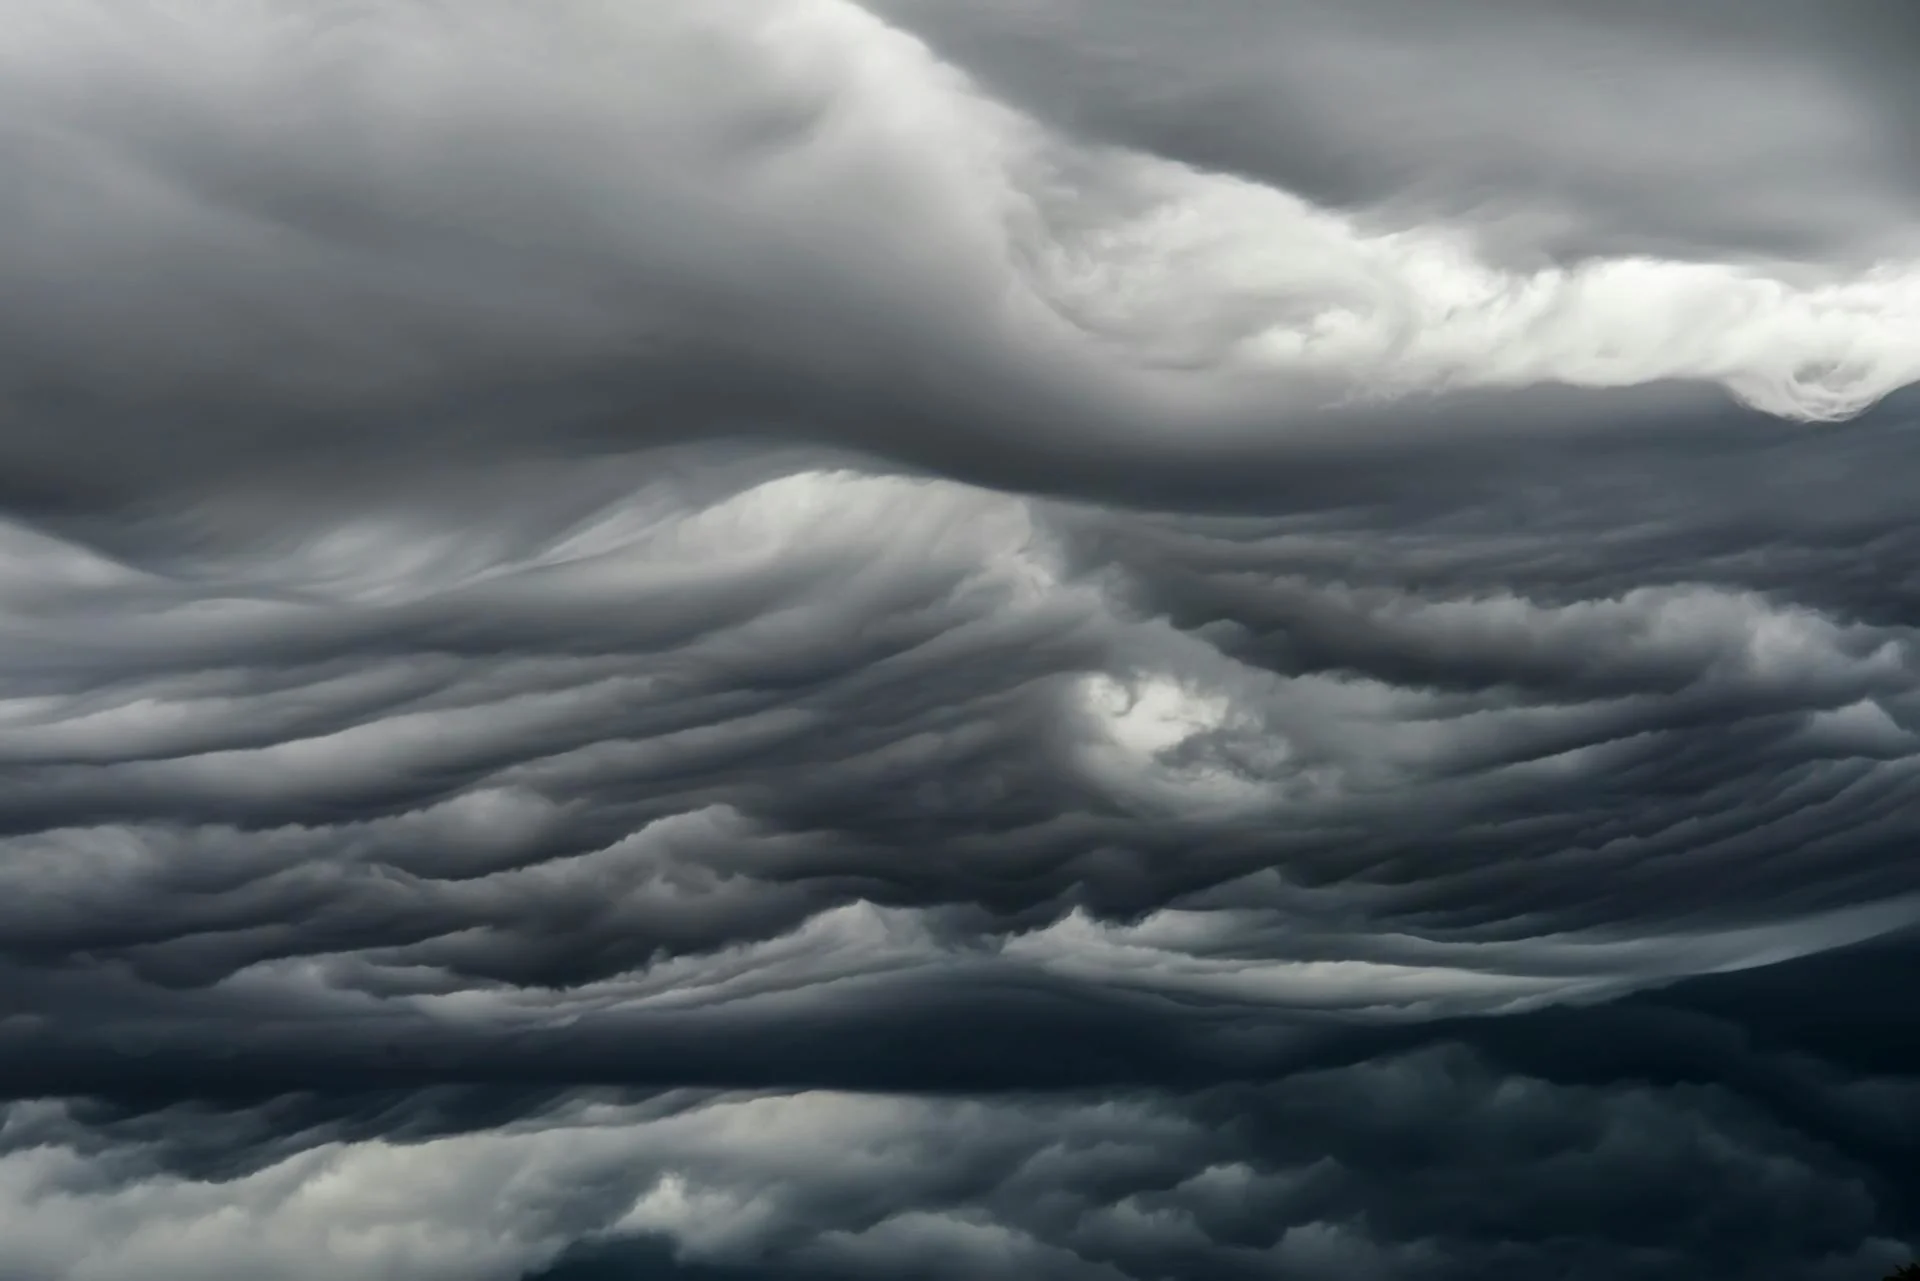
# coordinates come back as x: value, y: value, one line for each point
x: 1077, y: 639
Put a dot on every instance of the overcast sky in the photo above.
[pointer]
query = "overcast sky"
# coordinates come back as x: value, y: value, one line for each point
x: 1087, y: 640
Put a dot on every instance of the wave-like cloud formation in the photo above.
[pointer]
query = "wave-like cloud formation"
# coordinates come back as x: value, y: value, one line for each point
x: 791, y: 725
x: 862, y: 781
x: 812, y: 640
x: 418, y: 228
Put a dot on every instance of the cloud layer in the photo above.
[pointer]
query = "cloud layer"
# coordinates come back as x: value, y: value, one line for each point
x: 815, y: 640
x: 269, y: 237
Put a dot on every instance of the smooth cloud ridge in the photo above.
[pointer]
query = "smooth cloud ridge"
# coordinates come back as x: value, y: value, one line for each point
x: 414, y: 228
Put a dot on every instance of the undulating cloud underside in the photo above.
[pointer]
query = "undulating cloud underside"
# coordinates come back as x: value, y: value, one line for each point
x: 788, y: 640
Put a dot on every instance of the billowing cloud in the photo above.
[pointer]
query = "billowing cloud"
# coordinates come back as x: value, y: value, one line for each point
x: 1427, y: 1164
x: 820, y: 640
x: 279, y: 238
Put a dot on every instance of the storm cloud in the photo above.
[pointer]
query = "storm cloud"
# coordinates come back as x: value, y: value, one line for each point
x: 809, y: 640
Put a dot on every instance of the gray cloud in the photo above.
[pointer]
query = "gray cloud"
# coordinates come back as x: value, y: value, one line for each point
x: 826, y: 640
x: 1426, y: 1164
x: 860, y: 782
x: 1560, y: 129
x: 255, y: 239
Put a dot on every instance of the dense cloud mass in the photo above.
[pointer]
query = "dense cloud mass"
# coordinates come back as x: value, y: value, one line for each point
x: 790, y: 640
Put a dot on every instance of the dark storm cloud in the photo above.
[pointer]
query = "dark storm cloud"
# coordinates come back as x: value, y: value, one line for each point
x: 815, y: 640
x: 867, y: 783
x: 314, y: 246
x: 1559, y: 128
x: 731, y: 761
x: 1526, y: 1154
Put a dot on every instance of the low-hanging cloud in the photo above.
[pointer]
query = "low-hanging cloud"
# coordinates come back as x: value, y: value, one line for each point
x: 242, y: 230
x: 817, y: 640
